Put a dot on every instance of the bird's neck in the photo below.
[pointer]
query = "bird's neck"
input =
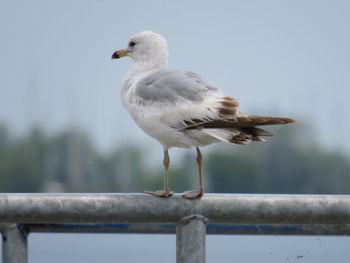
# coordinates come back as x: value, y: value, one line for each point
x: 142, y: 66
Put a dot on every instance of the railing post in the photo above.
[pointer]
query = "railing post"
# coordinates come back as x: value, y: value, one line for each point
x: 190, y: 239
x: 14, y: 244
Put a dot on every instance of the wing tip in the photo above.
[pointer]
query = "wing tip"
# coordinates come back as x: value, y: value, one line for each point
x: 288, y: 120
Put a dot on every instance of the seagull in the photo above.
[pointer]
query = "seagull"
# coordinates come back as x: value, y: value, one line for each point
x: 180, y: 108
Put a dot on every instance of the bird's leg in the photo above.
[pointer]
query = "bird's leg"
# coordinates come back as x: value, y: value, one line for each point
x: 166, y: 162
x: 197, y: 193
x: 166, y: 192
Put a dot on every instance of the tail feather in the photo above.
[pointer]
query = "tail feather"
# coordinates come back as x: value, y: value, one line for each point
x: 233, y: 136
x: 255, y: 131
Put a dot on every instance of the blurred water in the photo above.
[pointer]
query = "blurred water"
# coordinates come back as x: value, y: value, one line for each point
x: 89, y: 248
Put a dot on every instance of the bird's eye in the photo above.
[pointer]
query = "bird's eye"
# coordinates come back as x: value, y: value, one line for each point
x: 132, y: 43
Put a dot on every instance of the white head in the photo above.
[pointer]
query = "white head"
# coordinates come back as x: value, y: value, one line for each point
x: 145, y: 46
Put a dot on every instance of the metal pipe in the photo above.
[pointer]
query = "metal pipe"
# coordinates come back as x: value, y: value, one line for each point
x: 214, y: 229
x: 136, y: 228
x: 275, y: 229
x: 14, y: 244
x: 190, y: 239
x: 141, y: 208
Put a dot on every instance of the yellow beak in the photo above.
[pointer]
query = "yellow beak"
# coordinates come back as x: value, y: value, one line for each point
x: 119, y: 54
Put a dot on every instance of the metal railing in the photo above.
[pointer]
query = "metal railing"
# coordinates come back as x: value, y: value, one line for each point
x: 191, y: 220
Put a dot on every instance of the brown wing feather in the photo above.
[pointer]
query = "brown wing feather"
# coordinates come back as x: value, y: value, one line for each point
x: 254, y: 120
x: 238, y: 122
x: 229, y: 119
x: 244, y: 124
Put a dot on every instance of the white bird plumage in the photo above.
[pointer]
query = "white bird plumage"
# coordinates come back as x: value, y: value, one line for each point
x: 180, y: 108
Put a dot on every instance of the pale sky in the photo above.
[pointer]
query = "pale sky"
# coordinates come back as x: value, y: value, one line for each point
x: 289, y: 58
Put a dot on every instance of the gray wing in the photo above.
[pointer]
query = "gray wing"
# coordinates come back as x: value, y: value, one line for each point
x: 166, y: 85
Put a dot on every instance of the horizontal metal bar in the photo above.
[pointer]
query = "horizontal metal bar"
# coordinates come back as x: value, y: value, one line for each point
x: 275, y: 229
x: 215, y: 229
x: 141, y: 208
x: 136, y: 228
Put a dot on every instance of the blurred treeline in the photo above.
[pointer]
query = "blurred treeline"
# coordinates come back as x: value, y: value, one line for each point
x: 290, y: 162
